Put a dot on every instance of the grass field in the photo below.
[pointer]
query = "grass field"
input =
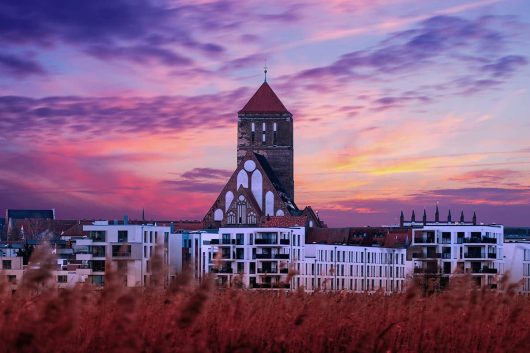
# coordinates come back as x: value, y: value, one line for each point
x: 199, y: 318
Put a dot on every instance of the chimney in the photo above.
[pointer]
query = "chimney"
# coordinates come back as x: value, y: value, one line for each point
x: 125, y: 219
x: 401, y: 219
x: 474, y: 218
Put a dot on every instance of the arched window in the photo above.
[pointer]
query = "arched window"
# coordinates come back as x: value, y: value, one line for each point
x: 251, y: 218
x: 231, y: 218
x: 242, y: 211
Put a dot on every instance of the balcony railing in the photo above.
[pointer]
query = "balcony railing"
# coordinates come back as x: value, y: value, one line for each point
x: 426, y: 270
x: 284, y: 241
x: 474, y: 255
x: 221, y: 270
x: 284, y: 270
x: 214, y: 241
x: 281, y: 256
x: 446, y: 255
x: 424, y: 241
x: 121, y: 254
x: 483, y: 240
x: 492, y: 256
x: 267, y: 270
x: 266, y: 241
x: 263, y: 256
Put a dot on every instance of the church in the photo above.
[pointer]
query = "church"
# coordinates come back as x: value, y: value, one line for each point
x: 261, y: 190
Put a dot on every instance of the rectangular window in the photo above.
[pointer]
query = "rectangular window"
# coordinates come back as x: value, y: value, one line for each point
x: 253, y: 133
x: 122, y: 236
x: 62, y: 279
x: 6, y: 264
x: 97, y: 235
x: 263, y: 139
x: 274, y: 134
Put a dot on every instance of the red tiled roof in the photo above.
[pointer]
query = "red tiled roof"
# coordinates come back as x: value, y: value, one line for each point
x: 264, y: 101
x: 285, y: 221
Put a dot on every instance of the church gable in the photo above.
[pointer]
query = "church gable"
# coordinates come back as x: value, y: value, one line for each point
x: 252, y: 181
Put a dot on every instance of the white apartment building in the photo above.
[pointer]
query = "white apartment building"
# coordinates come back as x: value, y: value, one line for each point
x: 452, y: 248
x: 246, y: 257
x: 353, y: 268
x: 272, y: 258
x: 128, y: 247
x: 517, y: 264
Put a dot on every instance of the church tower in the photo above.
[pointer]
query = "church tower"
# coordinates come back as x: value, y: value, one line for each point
x: 265, y: 127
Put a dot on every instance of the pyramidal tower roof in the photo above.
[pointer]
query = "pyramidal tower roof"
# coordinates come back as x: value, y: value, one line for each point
x: 264, y: 101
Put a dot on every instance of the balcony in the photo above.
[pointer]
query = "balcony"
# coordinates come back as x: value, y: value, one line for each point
x: 285, y: 241
x: 474, y: 255
x: 267, y: 270
x: 221, y: 270
x: 266, y: 242
x: 419, y: 270
x: 263, y: 256
x: 477, y: 240
x: 446, y: 255
x: 284, y: 270
x: 424, y: 240
x: 492, y: 256
x: 214, y: 241
x: 427, y: 256
x: 271, y: 285
x: 84, y: 257
x: 281, y: 256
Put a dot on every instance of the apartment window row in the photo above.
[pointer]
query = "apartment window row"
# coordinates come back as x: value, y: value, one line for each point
x: 359, y: 257
x: 384, y: 271
x: 354, y: 284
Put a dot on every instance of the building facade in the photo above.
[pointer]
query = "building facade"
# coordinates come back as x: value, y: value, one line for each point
x: 440, y: 251
x: 262, y: 184
x: 127, y: 248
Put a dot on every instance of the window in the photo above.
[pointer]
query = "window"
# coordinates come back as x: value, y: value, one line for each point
x: 231, y: 218
x: 6, y: 264
x: 62, y: 279
x: 97, y: 235
x: 263, y: 128
x: 122, y: 236
x: 121, y: 250
x: 241, y: 211
x: 274, y: 133
x: 251, y: 218
x: 12, y: 279
x: 253, y: 133
x: 240, y: 239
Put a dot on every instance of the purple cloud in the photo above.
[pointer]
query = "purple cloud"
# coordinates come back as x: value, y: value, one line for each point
x: 28, y: 118
x: 452, y: 41
x: 200, y: 180
x: 19, y: 67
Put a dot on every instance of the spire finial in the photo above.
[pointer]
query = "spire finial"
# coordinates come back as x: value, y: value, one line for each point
x: 265, y: 71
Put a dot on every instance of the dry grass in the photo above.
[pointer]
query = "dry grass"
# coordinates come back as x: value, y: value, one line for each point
x: 198, y: 318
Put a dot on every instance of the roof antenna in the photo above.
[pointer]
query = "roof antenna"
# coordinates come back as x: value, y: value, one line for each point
x: 265, y: 70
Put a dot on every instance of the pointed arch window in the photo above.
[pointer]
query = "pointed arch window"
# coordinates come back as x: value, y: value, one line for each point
x: 241, y: 212
x: 231, y: 218
x: 251, y: 218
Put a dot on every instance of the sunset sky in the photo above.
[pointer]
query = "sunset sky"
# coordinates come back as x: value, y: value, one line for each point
x: 108, y: 107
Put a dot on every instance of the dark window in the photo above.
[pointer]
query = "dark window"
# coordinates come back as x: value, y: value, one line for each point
x: 62, y: 279
x: 97, y: 235
x: 122, y: 236
x: 253, y: 133
x: 274, y: 134
x: 121, y: 250
x: 263, y: 137
x: 6, y: 264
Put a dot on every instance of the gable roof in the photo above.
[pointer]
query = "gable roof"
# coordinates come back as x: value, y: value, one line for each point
x: 264, y: 101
